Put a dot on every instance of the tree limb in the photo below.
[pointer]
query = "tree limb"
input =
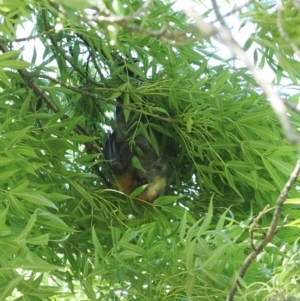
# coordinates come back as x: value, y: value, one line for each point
x: 273, y: 229
x: 224, y: 36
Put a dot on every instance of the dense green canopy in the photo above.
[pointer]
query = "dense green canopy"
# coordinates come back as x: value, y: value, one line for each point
x: 66, y: 232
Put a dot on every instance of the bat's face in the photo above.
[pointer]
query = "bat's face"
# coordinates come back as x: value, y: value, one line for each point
x: 154, y: 174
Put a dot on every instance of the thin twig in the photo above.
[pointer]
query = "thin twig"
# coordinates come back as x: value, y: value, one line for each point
x: 100, y: 15
x: 31, y: 85
x: 36, y: 36
x: 235, y: 10
x: 296, y: 4
x: 129, y: 107
x: 223, y: 35
x: 272, y: 230
x: 117, y: 19
x: 255, y: 224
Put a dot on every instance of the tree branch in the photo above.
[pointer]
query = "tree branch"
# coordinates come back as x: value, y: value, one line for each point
x: 129, y: 107
x: 273, y: 229
x: 282, y: 31
x: 39, y: 92
x: 51, y: 31
x: 224, y: 36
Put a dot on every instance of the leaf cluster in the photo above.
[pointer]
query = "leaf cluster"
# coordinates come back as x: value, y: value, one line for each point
x: 65, y: 232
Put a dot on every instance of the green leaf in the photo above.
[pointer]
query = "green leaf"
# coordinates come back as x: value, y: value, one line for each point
x: 189, y: 255
x: 241, y: 165
x: 9, y: 54
x: 166, y: 200
x: 292, y: 201
x: 248, y: 44
x: 82, y: 191
x: 20, y: 186
x: 13, y: 64
x: 274, y: 174
x: 132, y: 248
x: 35, y: 198
x: 25, y: 104
x: 28, y: 227
x: 9, y: 287
x: 285, y: 167
x: 81, y: 139
x: 7, y: 174
x: 137, y: 164
x: 215, y: 256
x: 15, y: 137
x: 4, y: 161
x: 263, y: 132
x: 51, y: 221
x: 251, y: 117
x: 116, y: 235
x: 230, y: 180
x: 4, y: 231
x: 41, y: 240
x: 34, y: 263
x: 97, y: 244
x: 3, y: 214
x: 17, y: 206
x: 255, y: 182
x: 4, y: 78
